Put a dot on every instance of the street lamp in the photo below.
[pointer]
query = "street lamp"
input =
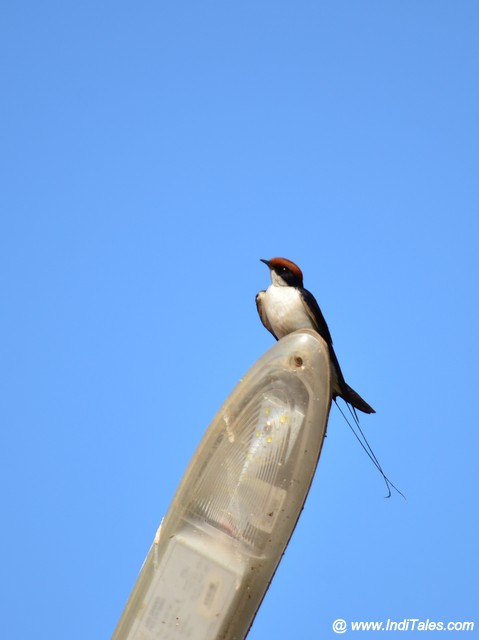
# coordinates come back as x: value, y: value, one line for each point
x: 233, y: 514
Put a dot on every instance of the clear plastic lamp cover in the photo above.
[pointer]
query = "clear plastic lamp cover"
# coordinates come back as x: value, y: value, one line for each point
x: 218, y: 547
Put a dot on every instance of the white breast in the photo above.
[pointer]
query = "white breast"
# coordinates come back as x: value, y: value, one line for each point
x: 285, y: 310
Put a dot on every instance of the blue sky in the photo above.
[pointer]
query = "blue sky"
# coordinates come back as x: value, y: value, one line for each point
x: 151, y: 153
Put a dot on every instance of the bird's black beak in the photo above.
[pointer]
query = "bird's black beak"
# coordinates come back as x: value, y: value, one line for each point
x: 265, y: 261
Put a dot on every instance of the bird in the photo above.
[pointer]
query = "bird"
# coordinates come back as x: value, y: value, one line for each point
x: 286, y: 306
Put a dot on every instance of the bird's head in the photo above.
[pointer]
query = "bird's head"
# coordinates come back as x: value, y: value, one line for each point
x: 284, y: 273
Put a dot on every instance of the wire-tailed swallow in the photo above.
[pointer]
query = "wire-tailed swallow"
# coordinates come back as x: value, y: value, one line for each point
x: 286, y: 306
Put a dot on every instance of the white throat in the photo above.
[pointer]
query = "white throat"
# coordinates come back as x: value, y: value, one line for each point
x: 277, y: 280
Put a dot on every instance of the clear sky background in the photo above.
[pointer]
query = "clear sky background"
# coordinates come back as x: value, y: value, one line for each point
x: 151, y: 153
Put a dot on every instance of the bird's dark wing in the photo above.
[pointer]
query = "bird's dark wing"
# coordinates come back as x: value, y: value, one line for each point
x: 314, y: 312
x: 261, y: 313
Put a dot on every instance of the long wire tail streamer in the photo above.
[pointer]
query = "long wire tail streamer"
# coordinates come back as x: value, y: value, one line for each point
x: 363, y: 441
